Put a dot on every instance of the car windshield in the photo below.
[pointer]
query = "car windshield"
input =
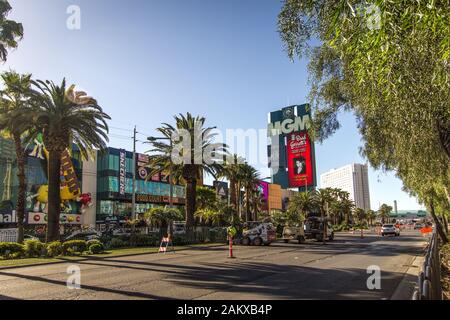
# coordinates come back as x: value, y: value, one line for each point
x: 388, y: 226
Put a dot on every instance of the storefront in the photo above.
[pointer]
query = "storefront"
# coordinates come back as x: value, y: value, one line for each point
x: 74, y: 202
x: 115, y: 185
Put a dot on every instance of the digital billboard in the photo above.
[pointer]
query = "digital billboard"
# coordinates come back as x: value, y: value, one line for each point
x: 299, y: 158
x: 290, y: 150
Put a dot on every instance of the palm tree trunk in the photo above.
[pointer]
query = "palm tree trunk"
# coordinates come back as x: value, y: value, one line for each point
x: 238, y: 199
x: 233, y: 193
x: 20, y: 208
x: 54, y: 199
x: 191, y: 186
x: 248, y: 216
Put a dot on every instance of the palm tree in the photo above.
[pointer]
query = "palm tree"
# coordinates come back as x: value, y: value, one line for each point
x: 189, y: 162
x: 65, y: 116
x: 371, y: 216
x: 162, y: 216
x: 10, y: 31
x: 384, y: 212
x: 15, y: 119
x: 231, y: 172
x: 360, y: 215
x: 303, y: 202
x: 250, y: 180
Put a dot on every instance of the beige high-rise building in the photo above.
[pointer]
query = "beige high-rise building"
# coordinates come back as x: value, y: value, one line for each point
x: 352, y: 178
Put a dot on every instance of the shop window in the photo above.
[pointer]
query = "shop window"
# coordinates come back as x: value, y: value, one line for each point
x: 113, y: 184
x: 164, y: 189
x: 106, y: 207
x: 113, y: 162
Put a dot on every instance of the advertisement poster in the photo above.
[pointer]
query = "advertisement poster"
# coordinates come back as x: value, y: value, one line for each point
x: 263, y: 187
x: 300, y: 169
x: 122, y: 172
x: 141, y: 166
x: 41, y: 218
x: 221, y: 188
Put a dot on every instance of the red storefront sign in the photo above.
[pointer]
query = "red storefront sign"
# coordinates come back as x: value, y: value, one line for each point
x: 299, y: 157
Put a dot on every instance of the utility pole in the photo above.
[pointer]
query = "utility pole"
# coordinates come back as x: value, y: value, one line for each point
x: 133, y: 166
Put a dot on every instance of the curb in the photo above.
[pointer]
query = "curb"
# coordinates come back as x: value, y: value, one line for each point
x: 405, y: 289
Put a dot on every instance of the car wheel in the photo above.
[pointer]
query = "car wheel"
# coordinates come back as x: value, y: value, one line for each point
x: 301, y: 239
x: 319, y: 237
x: 257, y: 241
x: 331, y: 238
x: 286, y: 240
x: 246, y: 241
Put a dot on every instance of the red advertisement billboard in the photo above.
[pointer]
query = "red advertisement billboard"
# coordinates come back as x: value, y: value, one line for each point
x: 299, y: 158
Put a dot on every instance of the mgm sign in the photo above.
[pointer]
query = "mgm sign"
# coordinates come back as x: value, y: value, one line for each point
x: 291, y: 151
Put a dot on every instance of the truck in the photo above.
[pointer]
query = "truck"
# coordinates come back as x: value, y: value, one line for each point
x: 314, y: 229
x: 258, y: 233
x: 294, y: 233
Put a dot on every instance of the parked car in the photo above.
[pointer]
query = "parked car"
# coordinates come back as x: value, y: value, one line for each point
x: 390, y: 229
x: 89, y: 234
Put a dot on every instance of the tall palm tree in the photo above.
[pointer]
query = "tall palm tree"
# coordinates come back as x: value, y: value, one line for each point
x: 250, y: 179
x: 15, y: 119
x: 371, y: 216
x: 384, y: 212
x: 188, y: 162
x: 65, y: 116
x: 231, y: 172
x: 323, y: 198
x: 347, y: 207
x: 303, y: 202
x: 10, y: 31
x: 360, y: 215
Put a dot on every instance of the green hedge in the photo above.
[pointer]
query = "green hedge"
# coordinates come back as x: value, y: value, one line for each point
x: 54, y: 249
x: 34, y: 248
x: 11, y: 250
x: 74, y: 247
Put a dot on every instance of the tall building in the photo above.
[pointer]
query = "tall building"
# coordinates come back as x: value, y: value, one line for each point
x: 352, y: 178
x: 290, y: 151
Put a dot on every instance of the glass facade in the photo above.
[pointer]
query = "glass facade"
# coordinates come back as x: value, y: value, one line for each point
x: 111, y: 203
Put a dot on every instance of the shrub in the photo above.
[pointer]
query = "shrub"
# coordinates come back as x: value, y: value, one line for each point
x: 54, y: 249
x: 11, y: 250
x: 143, y: 240
x: 96, y: 248
x: 117, y: 243
x: 74, y: 246
x: 33, y: 248
x: 89, y: 243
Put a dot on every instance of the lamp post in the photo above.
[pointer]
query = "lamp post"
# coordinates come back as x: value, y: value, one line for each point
x: 153, y: 139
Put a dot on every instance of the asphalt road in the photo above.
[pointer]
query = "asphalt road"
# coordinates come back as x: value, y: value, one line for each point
x: 337, y: 270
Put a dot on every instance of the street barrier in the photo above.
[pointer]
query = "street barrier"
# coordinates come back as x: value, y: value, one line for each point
x: 429, y: 281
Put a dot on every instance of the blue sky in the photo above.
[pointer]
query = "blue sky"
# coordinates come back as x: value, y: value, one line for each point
x: 147, y: 60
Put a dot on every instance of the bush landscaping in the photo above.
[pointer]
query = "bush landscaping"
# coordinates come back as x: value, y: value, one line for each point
x: 37, y: 249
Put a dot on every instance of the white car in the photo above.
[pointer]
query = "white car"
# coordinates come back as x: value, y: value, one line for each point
x: 387, y: 229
